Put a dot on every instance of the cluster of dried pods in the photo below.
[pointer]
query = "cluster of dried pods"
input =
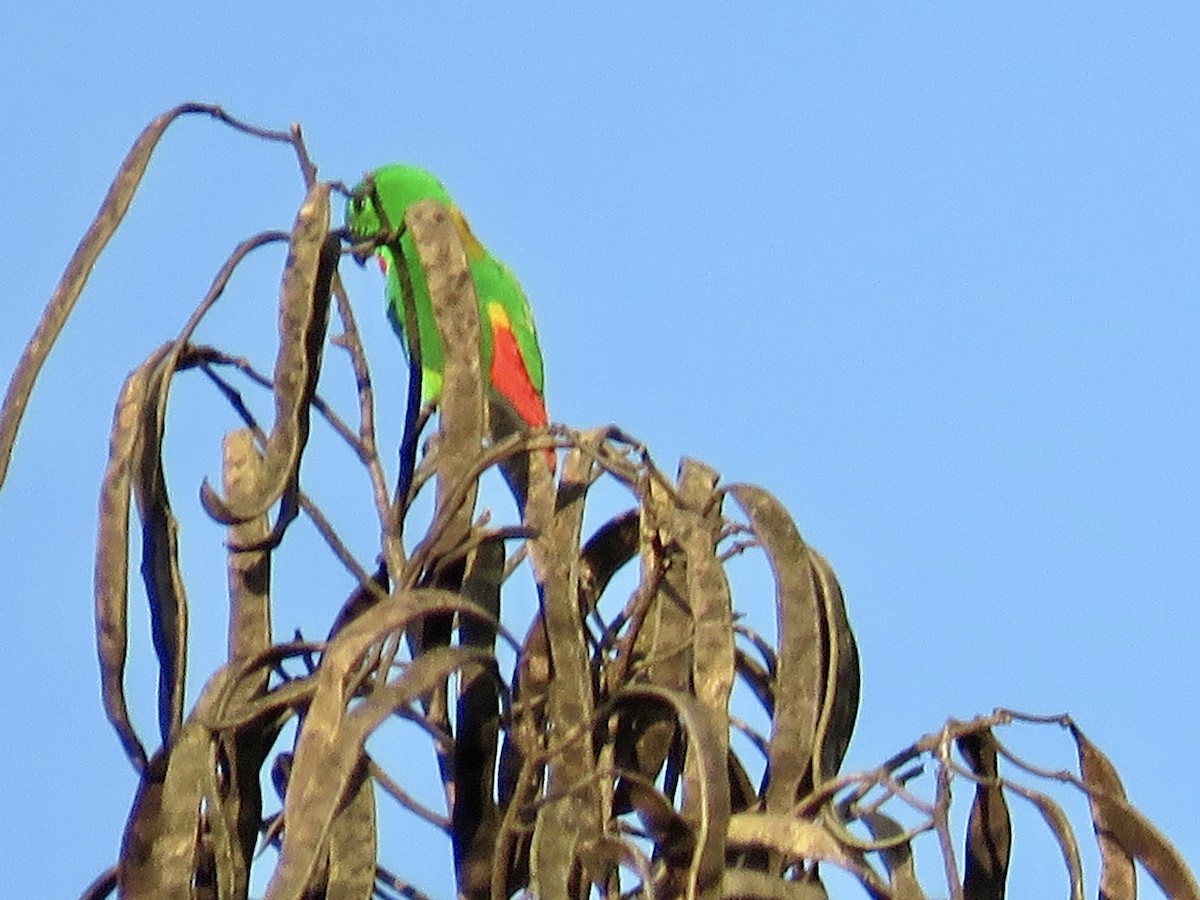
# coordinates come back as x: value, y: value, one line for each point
x: 606, y: 759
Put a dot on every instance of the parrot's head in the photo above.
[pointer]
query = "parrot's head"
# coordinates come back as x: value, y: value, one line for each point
x: 380, y: 200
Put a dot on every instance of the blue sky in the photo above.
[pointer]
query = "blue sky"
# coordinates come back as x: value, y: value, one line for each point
x: 927, y: 272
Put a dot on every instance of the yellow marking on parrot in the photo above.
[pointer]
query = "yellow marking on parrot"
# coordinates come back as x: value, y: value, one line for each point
x: 471, y: 245
x: 498, y: 317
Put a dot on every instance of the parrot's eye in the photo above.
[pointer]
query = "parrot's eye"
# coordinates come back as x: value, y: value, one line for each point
x: 359, y: 202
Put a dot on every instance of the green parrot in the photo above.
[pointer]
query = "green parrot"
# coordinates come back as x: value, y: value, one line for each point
x: 508, y: 349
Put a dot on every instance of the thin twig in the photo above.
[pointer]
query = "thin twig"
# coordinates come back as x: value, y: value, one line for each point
x: 941, y: 818
x: 212, y: 356
x: 405, y: 799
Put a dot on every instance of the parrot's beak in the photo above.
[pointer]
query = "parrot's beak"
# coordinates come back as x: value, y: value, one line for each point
x: 361, y: 256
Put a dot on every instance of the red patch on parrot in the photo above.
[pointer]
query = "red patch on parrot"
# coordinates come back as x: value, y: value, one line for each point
x: 509, y: 377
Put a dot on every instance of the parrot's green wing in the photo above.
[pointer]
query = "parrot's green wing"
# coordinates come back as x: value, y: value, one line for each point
x: 504, y: 308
